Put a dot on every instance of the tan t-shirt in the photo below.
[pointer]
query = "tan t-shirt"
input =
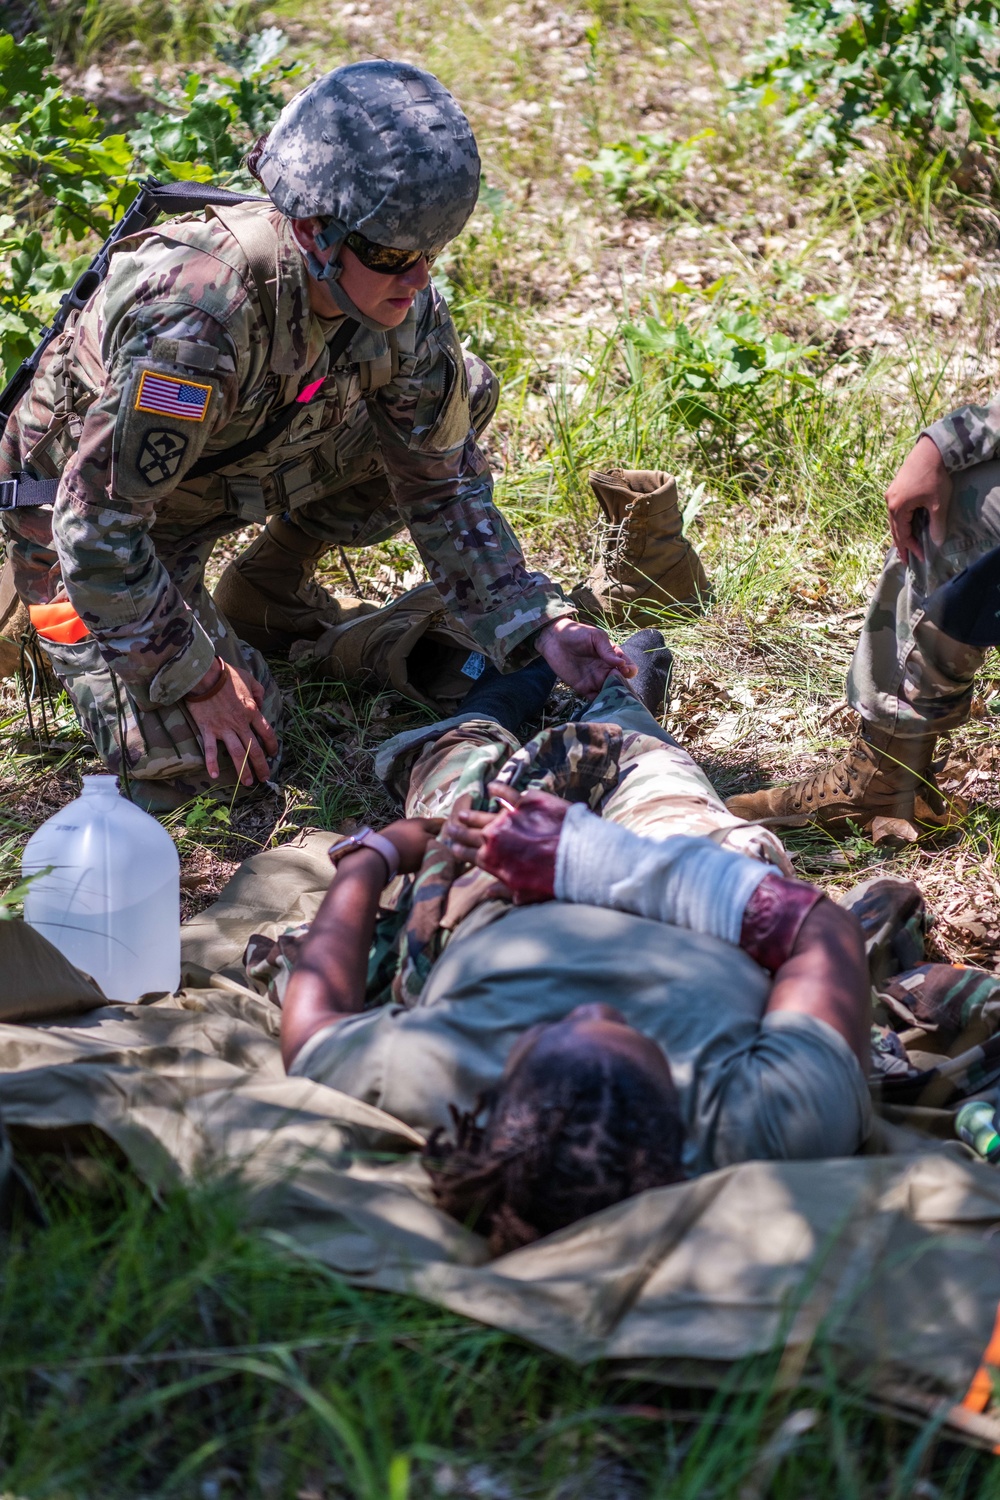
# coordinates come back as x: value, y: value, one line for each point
x: 751, y: 1087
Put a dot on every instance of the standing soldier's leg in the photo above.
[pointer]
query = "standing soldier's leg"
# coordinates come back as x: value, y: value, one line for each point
x: 908, y: 682
x: 340, y: 496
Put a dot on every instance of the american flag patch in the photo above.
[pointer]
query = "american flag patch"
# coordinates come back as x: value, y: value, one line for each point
x: 168, y: 397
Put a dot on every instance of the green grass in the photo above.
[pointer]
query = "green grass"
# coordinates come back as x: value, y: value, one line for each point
x: 82, y: 31
x: 158, y: 1349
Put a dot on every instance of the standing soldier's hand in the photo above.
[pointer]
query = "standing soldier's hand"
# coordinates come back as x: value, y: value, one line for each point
x: 225, y: 705
x: 922, y: 483
x: 581, y: 655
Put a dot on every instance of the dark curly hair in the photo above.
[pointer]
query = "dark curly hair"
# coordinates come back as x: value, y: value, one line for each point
x: 585, y: 1133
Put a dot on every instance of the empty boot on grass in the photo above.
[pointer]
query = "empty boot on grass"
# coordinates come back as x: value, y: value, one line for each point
x: 411, y: 645
x: 882, y: 774
x: 647, y: 565
x: 269, y: 593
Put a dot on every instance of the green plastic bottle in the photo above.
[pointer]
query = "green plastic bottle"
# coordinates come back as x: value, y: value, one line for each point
x: 976, y: 1125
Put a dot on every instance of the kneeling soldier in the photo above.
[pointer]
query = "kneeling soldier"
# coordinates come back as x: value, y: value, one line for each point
x: 285, y: 362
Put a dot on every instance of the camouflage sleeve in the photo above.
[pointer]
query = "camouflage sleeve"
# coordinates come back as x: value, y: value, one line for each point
x: 443, y: 489
x: 968, y: 436
x: 171, y: 383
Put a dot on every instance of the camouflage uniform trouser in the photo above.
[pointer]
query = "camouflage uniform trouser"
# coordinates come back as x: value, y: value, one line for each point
x: 165, y: 765
x: 660, y: 790
x: 906, y: 675
x: 345, y: 498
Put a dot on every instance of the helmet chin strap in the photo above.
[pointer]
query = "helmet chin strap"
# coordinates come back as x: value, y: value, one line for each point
x: 328, y: 275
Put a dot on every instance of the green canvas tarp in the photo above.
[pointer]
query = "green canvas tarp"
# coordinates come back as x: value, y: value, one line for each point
x: 890, y: 1259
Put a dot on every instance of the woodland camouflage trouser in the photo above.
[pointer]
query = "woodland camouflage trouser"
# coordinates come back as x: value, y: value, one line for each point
x: 906, y: 675
x: 660, y: 790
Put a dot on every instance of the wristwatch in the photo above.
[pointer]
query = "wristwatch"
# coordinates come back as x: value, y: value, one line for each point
x: 367, y: 838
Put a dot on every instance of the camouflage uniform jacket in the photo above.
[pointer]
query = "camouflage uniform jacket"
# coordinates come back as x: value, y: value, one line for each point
x: 170, y: 361
x: 968, y: 436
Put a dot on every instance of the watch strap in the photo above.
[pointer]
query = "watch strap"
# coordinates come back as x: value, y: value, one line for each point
x: 367, y: 838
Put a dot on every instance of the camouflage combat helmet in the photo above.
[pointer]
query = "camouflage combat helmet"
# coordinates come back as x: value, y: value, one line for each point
x: 377, y: 148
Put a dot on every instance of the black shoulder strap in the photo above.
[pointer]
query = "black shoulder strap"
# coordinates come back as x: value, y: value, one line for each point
x: 192, y: 197
x: 25, y: 492
x: 239, y: 451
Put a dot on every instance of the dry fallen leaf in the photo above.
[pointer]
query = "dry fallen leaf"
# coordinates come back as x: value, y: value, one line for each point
x: 893, y: 831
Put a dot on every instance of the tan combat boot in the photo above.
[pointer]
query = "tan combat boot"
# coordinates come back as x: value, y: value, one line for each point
x: 411, y: 645
x: 13, y: 622
x: 648, y: 565
x: 269, y: 593
x: 881, y: 775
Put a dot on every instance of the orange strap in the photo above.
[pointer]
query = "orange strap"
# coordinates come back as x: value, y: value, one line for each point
x: 58, y: 622
x: 980, y: 1392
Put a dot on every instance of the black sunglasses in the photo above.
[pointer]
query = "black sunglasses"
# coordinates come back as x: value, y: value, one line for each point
x: 383, y: 258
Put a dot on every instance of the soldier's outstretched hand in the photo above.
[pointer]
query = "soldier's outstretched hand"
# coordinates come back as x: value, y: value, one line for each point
x: 231, y: 717
x: 921, y: 483
x: 581, y: 655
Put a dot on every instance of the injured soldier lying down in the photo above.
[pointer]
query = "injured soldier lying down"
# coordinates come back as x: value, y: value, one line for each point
x: 598, y: 979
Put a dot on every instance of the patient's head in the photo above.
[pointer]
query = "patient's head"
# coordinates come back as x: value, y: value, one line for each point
x: 586, y: 1114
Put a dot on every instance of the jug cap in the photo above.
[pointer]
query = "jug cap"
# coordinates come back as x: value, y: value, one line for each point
x: 104, y: 783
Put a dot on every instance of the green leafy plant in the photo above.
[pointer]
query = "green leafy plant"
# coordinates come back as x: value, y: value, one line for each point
x: 12, y: 898
x: 723, y: 380
x: 52, y: 147
x: 35, y: 280
x: 202, y: 131
x: 80, y: 30
x: 924, y: 68
x: 62, y: 177
x: 205, y: 815
x: 642, y: 175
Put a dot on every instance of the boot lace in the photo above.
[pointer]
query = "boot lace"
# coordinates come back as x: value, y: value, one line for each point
x: 837, y: 779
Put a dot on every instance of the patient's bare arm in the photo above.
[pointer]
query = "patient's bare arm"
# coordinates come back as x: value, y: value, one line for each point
x: 329, y: 978
x: 826, y: 976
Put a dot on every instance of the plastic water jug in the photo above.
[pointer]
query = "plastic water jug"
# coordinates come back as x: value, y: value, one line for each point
x: 111, y: 901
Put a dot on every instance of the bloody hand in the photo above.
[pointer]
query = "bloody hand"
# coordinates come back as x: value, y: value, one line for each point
x: 519, y: 844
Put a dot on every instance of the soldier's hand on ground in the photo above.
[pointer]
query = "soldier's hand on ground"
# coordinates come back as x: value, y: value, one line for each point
x: 232, y: 718
x: 581, y: 655
x: 922, y: 483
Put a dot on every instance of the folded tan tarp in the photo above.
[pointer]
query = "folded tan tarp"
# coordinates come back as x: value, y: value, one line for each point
x: 888, y: 1259
x: 36, y: 981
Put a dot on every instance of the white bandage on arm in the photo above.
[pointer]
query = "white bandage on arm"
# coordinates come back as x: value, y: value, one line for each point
x: 689, y: 882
